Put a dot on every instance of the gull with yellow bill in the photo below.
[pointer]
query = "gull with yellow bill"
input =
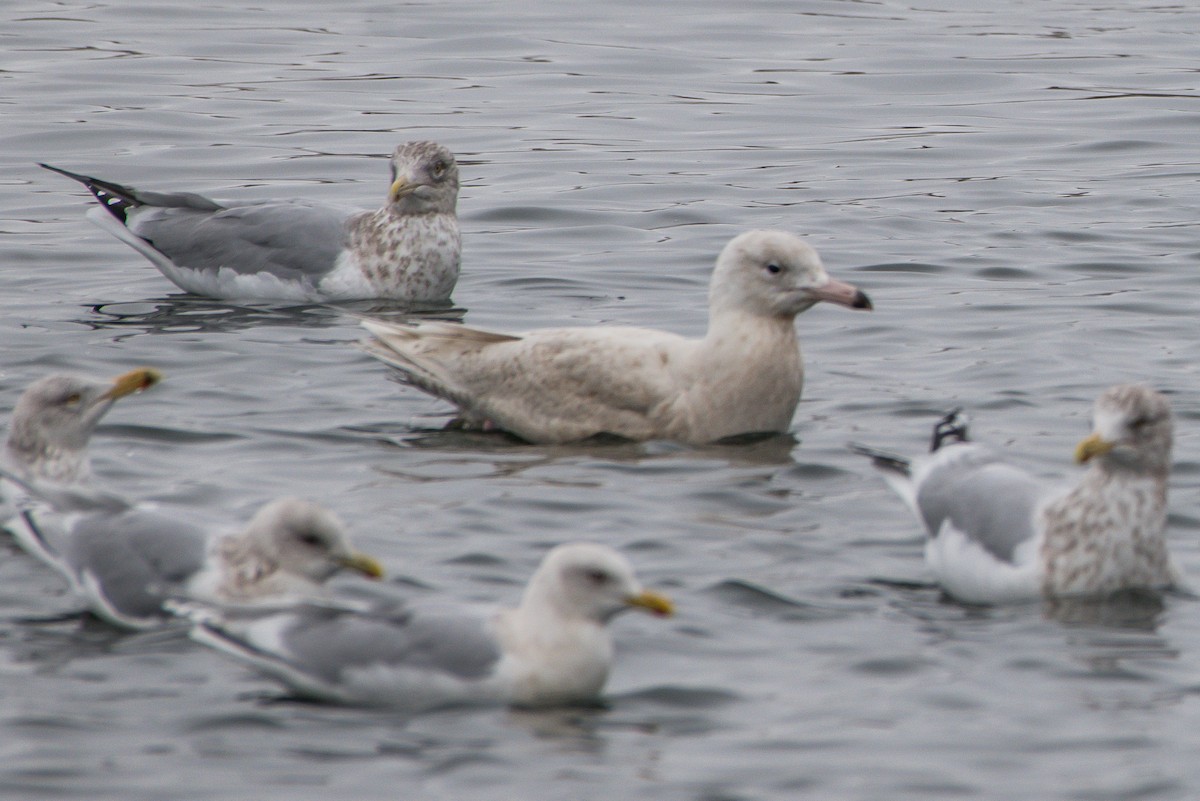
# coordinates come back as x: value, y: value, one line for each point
x: 552, y: 649
x: 998, y: 534
x: 295, y: 249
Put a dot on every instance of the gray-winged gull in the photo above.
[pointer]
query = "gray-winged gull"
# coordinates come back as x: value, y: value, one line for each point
x: 296, y: 249
x: 554, y: 648
x: 129, y: 563
x: 997, y: 533
x: 567, y: 384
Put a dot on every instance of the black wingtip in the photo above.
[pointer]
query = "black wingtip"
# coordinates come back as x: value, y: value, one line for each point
x: 861, y: 301
x: 116, y: 199
x: 83, y: 179
x: 37, y: 533
x: 953, y: 427
x: 882, y: 459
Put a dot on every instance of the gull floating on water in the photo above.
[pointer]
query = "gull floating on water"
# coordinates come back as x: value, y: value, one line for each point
x: 51, y: 425
x: 554, y: 648
x: 125, y: 560
x: 131, y: 564
x: 998, y: 534
x: 296, y: 249
x: 569, y: 384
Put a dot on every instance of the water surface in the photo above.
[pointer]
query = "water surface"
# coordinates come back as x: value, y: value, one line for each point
x: 1015, y: 184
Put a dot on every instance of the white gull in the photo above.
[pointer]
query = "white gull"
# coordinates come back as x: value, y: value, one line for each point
x: 567, y: 384
x: 552, y: 649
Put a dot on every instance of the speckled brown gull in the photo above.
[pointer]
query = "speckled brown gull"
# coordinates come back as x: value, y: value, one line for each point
x: 998, y: 534
x: 130, y: 564
x: 566, y: 384
x: 554, y: 648
x: 295, y: 249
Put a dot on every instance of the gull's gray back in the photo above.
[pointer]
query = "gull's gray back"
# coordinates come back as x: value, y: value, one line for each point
x: 329, y: 642
x: 283, y: 238
x: 138, y: 558
x: 990, y: 501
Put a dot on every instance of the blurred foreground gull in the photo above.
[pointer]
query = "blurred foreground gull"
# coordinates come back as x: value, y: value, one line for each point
x: 129, y: 562
x: 568, y: 384
x: 998, y: 534
x: 552, y: 649
x: 48, y: 433
x: 295, y: 249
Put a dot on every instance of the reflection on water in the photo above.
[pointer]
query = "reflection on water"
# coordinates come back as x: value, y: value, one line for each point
x: 1132, y: 610
x: 775, y: 449
x: 183, y: 314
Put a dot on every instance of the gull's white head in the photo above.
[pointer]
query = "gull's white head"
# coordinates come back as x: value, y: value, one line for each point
x: 1132, y: 430
x: 56, y: 416
x: 775, y: 274
x: 591, y: 582
x: 303, y: 539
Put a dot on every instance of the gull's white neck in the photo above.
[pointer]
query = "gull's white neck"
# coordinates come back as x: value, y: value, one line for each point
x: 553, y: 658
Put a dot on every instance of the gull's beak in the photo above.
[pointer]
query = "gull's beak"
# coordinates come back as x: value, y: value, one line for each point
x: 841, y: 293
x: 133, y: 381
x: 658, y: 604
x: 1095, y: 445
x: 402, y: 186
x: 361, y: 563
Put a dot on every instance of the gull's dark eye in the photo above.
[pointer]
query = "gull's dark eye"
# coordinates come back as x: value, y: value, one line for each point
x: 774, y: 269
x: 309, y: 538
x: 73, y: 399
x: 1140, y: 422
x: 597, y: 576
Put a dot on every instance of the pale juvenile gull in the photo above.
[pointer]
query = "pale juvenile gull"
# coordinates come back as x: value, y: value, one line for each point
x: 567, y: 384
x: 998, y: 534
x: 554, y: 648
x: 296, y: 249
x: 129, y: 564
x: 51, y: 425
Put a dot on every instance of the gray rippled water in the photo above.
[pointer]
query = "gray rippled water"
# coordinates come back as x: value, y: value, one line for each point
x: 1015, y: 184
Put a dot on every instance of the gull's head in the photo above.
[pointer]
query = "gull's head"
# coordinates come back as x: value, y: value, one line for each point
x: 56, y: 416
x: 776, y: 274
x: 591, y: 582
x: 1131, y: 429
x: 303, y: 539
x: 424, y: 179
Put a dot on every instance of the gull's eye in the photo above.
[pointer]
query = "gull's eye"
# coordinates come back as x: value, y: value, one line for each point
x: 311, y: 539
x: 773, y: 268
x: 1140, y: 422
x: 73, y: 399
x: 439, y: 168
x: 596, y: 576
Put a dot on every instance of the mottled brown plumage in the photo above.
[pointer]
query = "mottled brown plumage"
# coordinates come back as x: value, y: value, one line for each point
x: 997, y: 533
x: 294, y: 249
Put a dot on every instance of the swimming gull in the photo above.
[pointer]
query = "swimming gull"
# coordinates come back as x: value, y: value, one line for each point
x: 998, y: 534
x: 130, y: 563
x: 295, y: 249
x: 51, y: 425
x: 554, y: 648
x: 569, y: 384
